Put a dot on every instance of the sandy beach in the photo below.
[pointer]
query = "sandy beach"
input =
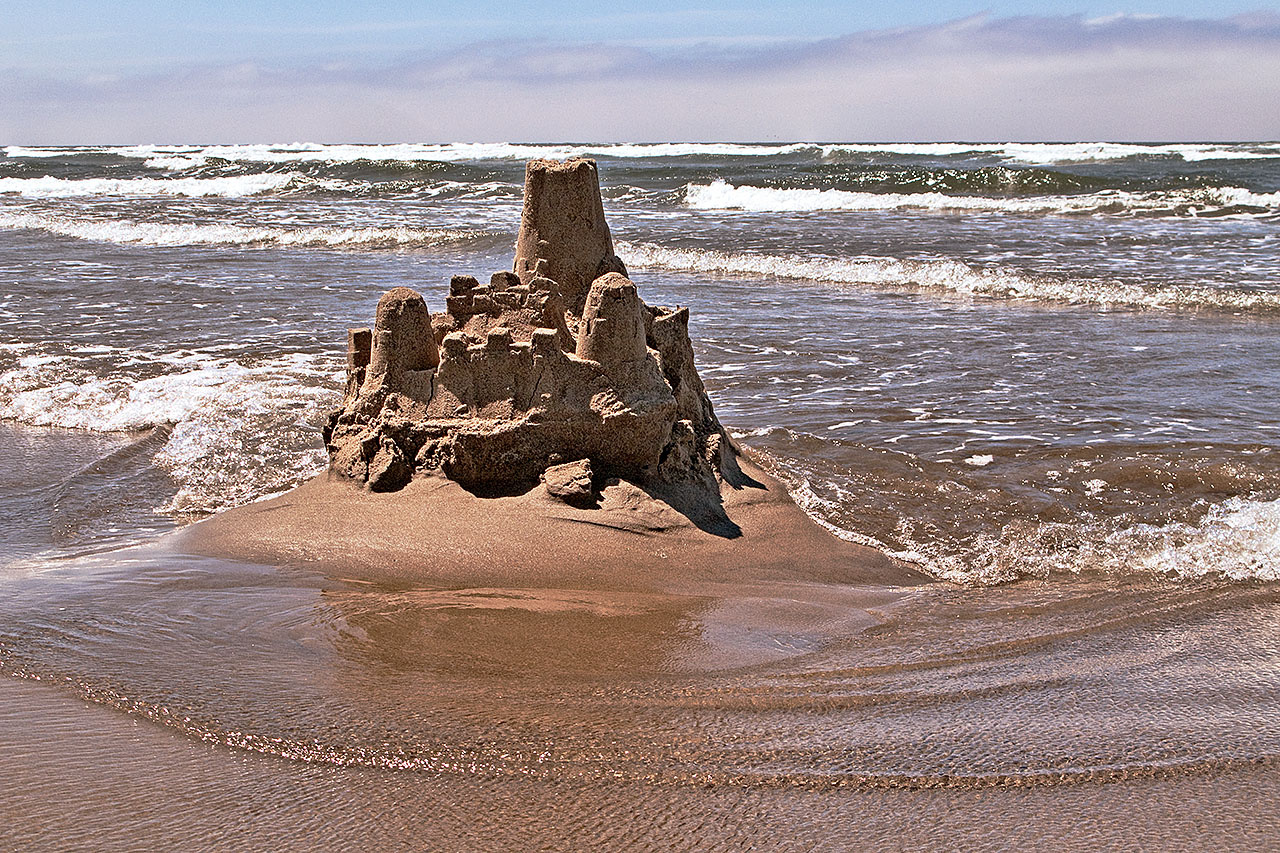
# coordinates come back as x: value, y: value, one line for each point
x: 1058, y: 629
x: 175, y: 792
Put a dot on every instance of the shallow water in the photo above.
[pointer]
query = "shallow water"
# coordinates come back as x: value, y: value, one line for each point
x: 1043, y: 372
x: 78, y: 798
x: 310, y: 713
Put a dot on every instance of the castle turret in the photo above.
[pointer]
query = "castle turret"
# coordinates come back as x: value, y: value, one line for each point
x: 560, y: 360
x: 563, y: 232
x: 612, y: 330
x: 402, y: 338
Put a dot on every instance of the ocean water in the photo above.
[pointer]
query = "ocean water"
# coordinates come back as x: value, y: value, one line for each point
x: 1044, y: 373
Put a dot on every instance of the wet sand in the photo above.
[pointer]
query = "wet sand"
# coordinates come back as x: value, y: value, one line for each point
x: 334, y: 669
x: 435, y: 533
x: 94, y: 779
x: 240, y: 707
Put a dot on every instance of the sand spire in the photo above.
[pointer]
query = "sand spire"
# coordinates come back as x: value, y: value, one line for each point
x: 563, y: 233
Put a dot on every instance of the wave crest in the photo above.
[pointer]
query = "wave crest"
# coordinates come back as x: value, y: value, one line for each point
x: 126, y: 232
x: 238, y: 186
x: 722, y: 195
x: 947, y: 275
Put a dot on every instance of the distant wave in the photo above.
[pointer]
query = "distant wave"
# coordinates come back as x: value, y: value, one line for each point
x: 176, y: 157
x: 173, y: 157
x: 721, y: 195
x: 1047, y: 153
x: 946, y: 275
x: 126, y: 232
x: 229, y: 187
x: 252, y: 183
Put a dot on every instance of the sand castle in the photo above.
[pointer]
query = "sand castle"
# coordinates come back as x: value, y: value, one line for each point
x: 548, y: 429
x: 556, y: 372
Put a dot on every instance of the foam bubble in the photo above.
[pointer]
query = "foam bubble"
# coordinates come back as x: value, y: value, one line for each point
x: 722, y: 195
x: 946, y: 275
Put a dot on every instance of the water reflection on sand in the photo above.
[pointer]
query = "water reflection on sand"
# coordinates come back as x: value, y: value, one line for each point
x: 807, y: 705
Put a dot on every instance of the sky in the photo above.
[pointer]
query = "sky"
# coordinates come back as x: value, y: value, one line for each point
x: 138, y: 71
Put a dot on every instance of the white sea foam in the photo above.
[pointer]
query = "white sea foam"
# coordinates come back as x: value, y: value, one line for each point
x: 239, y: 432
x: 945, y: 275
x: 1238, y: 539
x: 52, y: 390
x: 127, y: 232
x: 229, y: 187
x: 721, y: 195
x: 171, y: 157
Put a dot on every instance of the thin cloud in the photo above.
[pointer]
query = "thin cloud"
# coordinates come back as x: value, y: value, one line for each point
x: 978, y: 78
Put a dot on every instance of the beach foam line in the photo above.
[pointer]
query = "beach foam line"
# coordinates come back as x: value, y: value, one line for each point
x: 945, y: 275
x: 237, y: 186
x: 722, y: 195
x: 132, y: 233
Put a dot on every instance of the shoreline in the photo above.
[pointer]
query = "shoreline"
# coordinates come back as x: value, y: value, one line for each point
x: 179, y: 793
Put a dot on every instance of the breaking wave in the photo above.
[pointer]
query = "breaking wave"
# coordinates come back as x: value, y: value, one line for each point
x: 239, y: 432
x: 238, y: 186
x: 1237, y: 539
x: 225, y: 182
x: 171, y: 157
x: 721, y: 195
x: 1053, y: 512
x: 127, y: 232
x: 947, y: 275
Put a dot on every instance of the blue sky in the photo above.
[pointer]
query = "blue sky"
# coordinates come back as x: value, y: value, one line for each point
x: 663, y: 69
